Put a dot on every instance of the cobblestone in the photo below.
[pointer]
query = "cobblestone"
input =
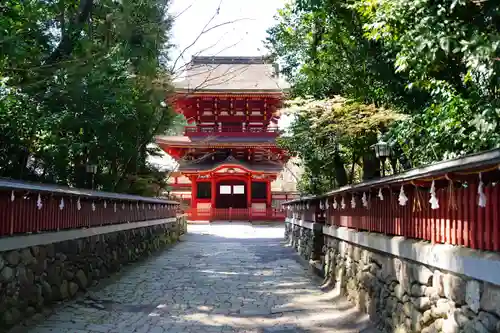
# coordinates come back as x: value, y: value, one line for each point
x: 223, y: 278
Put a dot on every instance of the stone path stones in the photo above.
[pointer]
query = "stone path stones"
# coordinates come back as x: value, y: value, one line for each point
x: 220, y: 278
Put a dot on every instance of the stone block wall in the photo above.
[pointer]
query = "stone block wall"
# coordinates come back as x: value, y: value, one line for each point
x: 35, y: 277
x: 402, y: 295
x: 307, y: 241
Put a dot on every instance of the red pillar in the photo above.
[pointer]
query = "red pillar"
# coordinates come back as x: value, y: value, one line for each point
x: 268, y: 197
x: 249, y: 196
x: 213, y: 194
x: 249, y: 192
x: 194, y: 193
x: 213, y: 191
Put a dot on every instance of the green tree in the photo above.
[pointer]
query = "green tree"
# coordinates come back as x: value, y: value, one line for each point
x: 83, y: 83
x: 449, y: 49
x: 333, y: 139
x: 435, y: 62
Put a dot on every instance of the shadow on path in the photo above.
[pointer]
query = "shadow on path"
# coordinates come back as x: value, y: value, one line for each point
x: 220, y: 278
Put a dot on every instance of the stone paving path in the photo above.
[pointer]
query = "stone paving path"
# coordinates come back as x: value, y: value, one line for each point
x: 220, y: 278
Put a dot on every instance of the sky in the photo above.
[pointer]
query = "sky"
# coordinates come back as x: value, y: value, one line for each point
x: 243, y: 37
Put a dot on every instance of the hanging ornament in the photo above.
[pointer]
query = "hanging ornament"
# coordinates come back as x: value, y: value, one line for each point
x: 143, y: 206
x: 364, y: 201
x: 480, y: 190
x: 321, y: 206
x: 327, y: 205
x: 403, y: 199
x: 149, y: 206
x: 123, y: 206
x: 114, y: 207
x: 137, y: 205
x: 105, y: 204
x: 380, y: 194
x: 93, y: 206
x: 61, y: 204
x: 335, y: 204
x: 130, y: 206
x: 154, y: 207
x: 353, y: 201
x: 307, y: 205
x: 12, y: 196
x: 78, y: 204
x: 342, y: 203
x: 39, y: 203
x: 434, y: 200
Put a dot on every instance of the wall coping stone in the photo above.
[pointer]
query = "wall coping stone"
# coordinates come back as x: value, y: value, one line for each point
x: 305, y: 224
x: 479, y: 265
x: 18, y: 242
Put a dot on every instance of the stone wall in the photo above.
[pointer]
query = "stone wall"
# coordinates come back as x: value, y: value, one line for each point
x: 402, y: 295
x: 307, y: 241
x: 33, y: 278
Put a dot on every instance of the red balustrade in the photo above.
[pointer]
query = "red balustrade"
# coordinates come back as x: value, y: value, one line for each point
x: 230, y: 131
x: 459, y: 219
x: 28, y: 208
x: 235, y: 214
x: 466, y: 224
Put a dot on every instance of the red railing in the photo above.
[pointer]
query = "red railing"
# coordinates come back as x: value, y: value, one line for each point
x: 235, y: 214
x: 230, y: 131
x: 459, y: 219
x: 28, y: 208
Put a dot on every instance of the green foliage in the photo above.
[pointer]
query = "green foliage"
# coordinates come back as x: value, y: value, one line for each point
x: 83, y: 83
x: 436, y: 62
x: 333, y: 135
x: 324, y: 53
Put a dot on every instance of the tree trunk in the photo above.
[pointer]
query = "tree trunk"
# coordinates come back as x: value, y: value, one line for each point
x: 399, y: 155
x: 340, y: 172
x: 351, y: 175
x: 72, y: 33
x: 371, y: 166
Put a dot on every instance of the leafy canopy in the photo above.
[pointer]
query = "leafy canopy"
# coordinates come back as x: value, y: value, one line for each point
x: 435, y: 62
x: 331, y: 134
x: 83, y: 83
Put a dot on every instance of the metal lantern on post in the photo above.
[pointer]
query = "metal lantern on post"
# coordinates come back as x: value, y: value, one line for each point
x: 92, y: 169
x: 382, y: 151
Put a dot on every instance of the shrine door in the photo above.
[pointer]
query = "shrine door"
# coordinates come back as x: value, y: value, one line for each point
x: 231, y: 194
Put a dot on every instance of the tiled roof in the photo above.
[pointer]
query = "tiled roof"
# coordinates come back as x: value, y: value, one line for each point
x: 232, y: 74
x: 204, y: 141
x: 264, y: 166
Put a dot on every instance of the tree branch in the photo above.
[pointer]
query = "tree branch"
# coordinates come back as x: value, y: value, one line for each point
x: 69, y: 36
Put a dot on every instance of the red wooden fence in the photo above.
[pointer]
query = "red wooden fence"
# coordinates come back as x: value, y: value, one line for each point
x: 27, y: 208
x: 459, y: 220
x: 235, y: 214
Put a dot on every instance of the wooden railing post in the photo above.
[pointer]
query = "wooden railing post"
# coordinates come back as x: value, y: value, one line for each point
x: 33, y: 208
